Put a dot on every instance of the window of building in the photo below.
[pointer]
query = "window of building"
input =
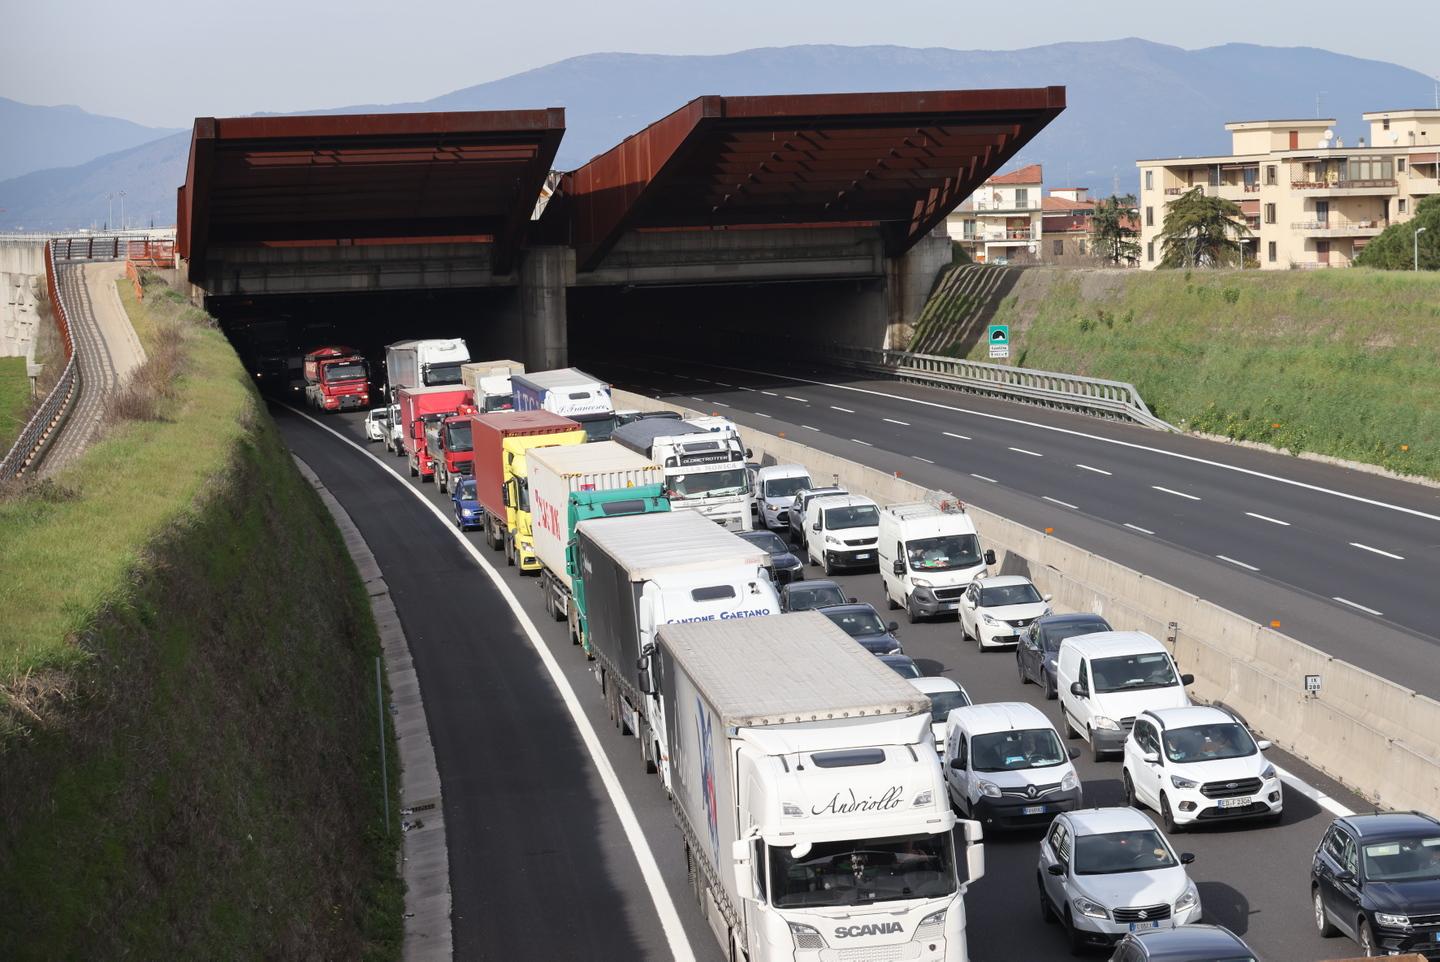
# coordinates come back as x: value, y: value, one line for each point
x: 1022, y: 197
x: 1385, y: 124
x: 1399, y: 165
x: 1082, y: 247
x: 1150, y: 252
x: 1400, y: 205
x: 1270, y: 252
x: 1269, y: 213
x: 1270, y: 179
x: 1058, y: 248
x: 1369, y: 168
x: 1149, y: 180
x: 1149, y: 217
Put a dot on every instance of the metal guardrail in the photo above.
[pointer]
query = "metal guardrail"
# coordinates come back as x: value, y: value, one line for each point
x: 57, y: 402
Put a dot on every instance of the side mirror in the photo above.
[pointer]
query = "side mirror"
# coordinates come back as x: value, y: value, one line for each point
x: 1151, y: 758
x: 1046, y: 597
x: 1263, y: 745
x: 815, y: 526
x: 744, y: 873
x: 898, y: 567
x: 1078, y: 690
x: 748, y: 454
x: 1187, y: 679
x: 989, y: 556
x: 1073, y: 752
x: 1186, y: 858
x: 957, y: 764
x: 854, y: 601
x: 892, y: 627
x: 1056, y: 870
x: 968, y: 601
x: 1339, y: 876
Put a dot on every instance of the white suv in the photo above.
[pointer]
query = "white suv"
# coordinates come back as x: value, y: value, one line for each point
x: 1198, y: 765
x: 994, y: 611
x: 1107, y: 872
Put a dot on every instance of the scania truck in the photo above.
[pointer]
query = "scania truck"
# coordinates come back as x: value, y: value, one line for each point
x: 704, y: 469
x: 807, y: 790
x: 424, y: 363
x: 576, y: 483
x: 489, y: 381
x: 570, y: 393
x: 336, y: 379
x: 502, y: 442
x: 638, y: 574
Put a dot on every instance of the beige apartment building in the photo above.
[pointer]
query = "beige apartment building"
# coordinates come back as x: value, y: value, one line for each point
x: 1311, y: 199
x: 1002, y: 222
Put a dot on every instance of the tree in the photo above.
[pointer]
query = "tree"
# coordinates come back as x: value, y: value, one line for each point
x: 1112, y: 236
x: 1393, y: 249
x: 1202, y: 231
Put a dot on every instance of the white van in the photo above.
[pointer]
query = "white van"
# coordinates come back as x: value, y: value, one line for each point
x: 841, y: 532
x: 928, y: 553
x: 1108, y: 678
x: 1006, y: 767
x: 775, y: 488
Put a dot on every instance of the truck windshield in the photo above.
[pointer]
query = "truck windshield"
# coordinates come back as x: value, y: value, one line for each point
x: 707, y: 484
x: 347, y: 371
x: 854, y: 516
x: 1012, y: 751
x: 599, y: 429
x: 949, y: 552
x: 442, y: 374
x: 499, y: 402
x: 863, y: 871
x: 457, y: 436
x: 785, y: 487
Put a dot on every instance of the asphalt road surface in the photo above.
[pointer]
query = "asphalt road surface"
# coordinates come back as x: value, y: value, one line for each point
x: 1345, y: 560
x: 539, y: 867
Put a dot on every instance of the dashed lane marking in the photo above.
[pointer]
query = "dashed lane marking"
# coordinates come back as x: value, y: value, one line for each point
x: 903, y: 424
x: 1033, y: 454
x: 983, y: 478
x: 1178, y: 494
x: 1063, y: 504
x: 1240, y: 564
x: 1263, y: 517
x: 1136, y: 527
x: 1366, y: 547
x: 1368, y: 611
x: 1086, y: 467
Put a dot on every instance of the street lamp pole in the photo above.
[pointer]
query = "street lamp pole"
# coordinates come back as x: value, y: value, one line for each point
x: 122, y: 210
x: 1415, y: 242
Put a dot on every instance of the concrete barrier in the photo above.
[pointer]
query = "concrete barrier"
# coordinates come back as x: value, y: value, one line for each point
x: 1377, y: 737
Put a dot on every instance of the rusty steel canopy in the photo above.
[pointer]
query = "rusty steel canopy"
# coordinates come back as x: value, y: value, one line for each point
x: 901, y: 160
x: 365, y: 178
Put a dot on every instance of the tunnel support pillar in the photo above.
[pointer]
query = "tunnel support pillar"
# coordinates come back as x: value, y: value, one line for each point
x: 908, y: 280
x: 545, y: 272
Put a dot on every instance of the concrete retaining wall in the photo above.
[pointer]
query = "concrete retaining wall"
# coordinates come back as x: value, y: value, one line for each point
x: 22, y: 274
x: 1377, y: 737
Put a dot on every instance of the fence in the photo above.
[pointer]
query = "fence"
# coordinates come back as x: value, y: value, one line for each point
x: 52, y: 410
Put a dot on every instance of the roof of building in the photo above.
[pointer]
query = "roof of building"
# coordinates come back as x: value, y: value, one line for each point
x: 1029, y: 174
x: 1305, y: 122
x: 1402, y: 112
x: 1061, y: 203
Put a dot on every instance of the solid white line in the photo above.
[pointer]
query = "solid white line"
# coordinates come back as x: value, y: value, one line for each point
x: 1136, y: 527
x: 866, y: 443
x: 903, y: 424
x: 791, y: 397
x: 983, y: 478
x: 846, y: 410
x: 1178, y: 494
x: 1371, y: 611
x: 1314, y: 794
x: 1252, y: 514
x: 649, y: 869
x: 809, y: 428
x: 771, y: 393
x: 1087, y: 467
x: 1240, y: 563
x: 952, y: 434
x: 761, y: 414
x: 1063, y: 504
x: 1033, y: 454
x: 1366, y: 547
x: 918, y: 458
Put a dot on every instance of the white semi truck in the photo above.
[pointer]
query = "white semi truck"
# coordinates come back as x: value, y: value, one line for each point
x: 570, y: 393
x: 704, y: 467
x: 636, y: 575
x: 424, y: 363
x: 805, y: 783
x: 489, y: 382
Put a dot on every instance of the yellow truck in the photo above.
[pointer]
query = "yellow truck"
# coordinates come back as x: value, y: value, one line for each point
x: 502, y: 485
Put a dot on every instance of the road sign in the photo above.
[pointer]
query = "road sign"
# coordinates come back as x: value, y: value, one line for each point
x: 1312, y: 684
x: 999, y: 337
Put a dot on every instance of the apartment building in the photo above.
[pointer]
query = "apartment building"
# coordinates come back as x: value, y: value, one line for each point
x: 1002, y: 222
x: 1310, y: 200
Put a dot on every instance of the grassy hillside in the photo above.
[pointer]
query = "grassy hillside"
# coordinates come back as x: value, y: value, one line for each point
x: 14, y: 400
x: 1343, y: 363
x: 187, y: 707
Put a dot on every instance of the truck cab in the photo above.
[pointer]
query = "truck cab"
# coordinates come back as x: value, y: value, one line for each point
x: 448, y: 441
x: 570, y: 393
x: 928, y: 553
x: 704, y: 468
x: 336, y: 379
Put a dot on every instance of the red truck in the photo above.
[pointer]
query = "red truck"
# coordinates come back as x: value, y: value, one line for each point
x: 337, y: 379
x: 448, y: 444
x: 502, y: 482
x: 422, y: 405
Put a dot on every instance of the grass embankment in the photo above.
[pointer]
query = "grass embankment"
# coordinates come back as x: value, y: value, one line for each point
x: 14, y: 400
x: 187, y: 660
x: 1344, y: 363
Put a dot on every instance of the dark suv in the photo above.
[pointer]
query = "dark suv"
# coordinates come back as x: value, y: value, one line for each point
x: 1377, y: 879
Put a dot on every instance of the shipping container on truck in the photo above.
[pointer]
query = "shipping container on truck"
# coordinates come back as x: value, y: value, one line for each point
x: 448, y: 444
x: 433, y: 362
x: 422, y: 405
x: 336, y: 379
x: 568, y: 392
x: 651, y: 570
x: 704, y: 468
x: 808, y: 794
x: 577, y: 483
x: 489, y: 381
x: 502, y: 442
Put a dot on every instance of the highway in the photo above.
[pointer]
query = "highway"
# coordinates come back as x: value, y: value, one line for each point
x: 541, y: 865
x: 1345, y: 560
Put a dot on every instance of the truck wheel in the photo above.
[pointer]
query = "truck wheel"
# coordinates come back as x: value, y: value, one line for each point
x: 414, y: 469
x: 825, y: 563
x: 647, y: 755
x: 443, y: 480
x: 890, y: 602
x: 911, y: 612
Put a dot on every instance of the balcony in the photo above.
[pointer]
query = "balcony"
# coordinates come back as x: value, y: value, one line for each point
x: 1332, y: 228
x: 1346, y: 188
x: 1008, y: 236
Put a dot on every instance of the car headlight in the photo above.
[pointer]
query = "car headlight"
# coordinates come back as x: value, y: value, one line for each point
x: 1105, y: 724
x: 467, y: 512
x: 1185, y: 784
x: 1089, y: 907
x: 990, y: 620
x: 931, y: 925
x: 921, y: 583
x: 1392, y: 921
x: 1268, y: 773
x: 1189, y: 900
x: 806, y: 936
x: 1069, y: 783
x: 988, y: 789
x: 831, y: 540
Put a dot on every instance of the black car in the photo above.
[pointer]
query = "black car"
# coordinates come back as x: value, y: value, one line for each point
x: 786, y: 566
x: 903, y: 665
x: 1039, y: 645
x: 1376, y: 878
x: 863, y: 623
x: 804, y: 595
x: 1185, y: 943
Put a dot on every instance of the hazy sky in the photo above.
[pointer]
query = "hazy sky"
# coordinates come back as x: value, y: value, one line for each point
x: 165, y: 64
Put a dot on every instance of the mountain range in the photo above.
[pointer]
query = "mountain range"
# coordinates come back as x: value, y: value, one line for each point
x: 1128, y: 99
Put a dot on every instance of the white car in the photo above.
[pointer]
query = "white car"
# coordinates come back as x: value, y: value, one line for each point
x: 394, y: 436
x: 1107, y: 872
x: 377, y: 424
x: 1198, y: 764
x: 775, y: 488
x: 995, y: 610
x: 1005, y: 767
x: 946, y: 695
x: 842, y: 531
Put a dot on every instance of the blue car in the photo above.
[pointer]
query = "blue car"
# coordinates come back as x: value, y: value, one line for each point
x: 468, y: 513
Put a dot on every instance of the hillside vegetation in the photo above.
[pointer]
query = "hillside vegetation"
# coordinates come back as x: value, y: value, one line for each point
x: 1343, y: 362
x: 187, y: 706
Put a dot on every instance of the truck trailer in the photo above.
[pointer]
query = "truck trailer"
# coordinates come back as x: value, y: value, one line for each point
x: 420, y: 406
x: 577, y: 483
x: 704, y: 468
x: 570, y: 393
x: 807, y: 791
x: 501, y: 442
x: 656, y: 569
x: 336, y: 379
x: 424, y: 363
x: 489, y: 382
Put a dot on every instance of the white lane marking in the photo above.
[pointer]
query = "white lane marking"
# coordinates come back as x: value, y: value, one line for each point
x: 1178, y: 494
x: 903, y: 424
x: 706, y: 380
x: 1063, y: 504
x: 952, y: 434
x: 723, y: 384
x: 1136, y: 527
x: 983, y: 478
x: 1252, y: 514
x: 685, y: 376
x: 918, y: 458
x: 846, y: 410
x: 721, y: 404
x: 694, y: 398
x: 649, y: 869
x: 761, y: 414
x: 1033, y: 454
x: 1319, y: 489
x: 750, y: 389
x: 1086, y: 467
x: 1314, y: 794
x: 1366, y: 547
x: 791, y: 397
x: 771, y: 393
x: 866, y: 443
x: 809, y: 428
x: 1239, y: 563
x: 1346, y: 601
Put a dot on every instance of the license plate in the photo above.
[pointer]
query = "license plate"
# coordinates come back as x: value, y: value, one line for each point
x: 1033, y: 810
x: 1144, y: 926
x: 863, y: 556
x: 1234, y: 803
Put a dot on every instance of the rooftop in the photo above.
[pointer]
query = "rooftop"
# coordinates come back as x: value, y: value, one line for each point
x: 1385, y: 824
x: 1108, y: 643
x: 1029, y: 174
x: 1001, y: 716
x: 1102, y: 821
x: 1262, y: 124
x: 1191, y: 716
